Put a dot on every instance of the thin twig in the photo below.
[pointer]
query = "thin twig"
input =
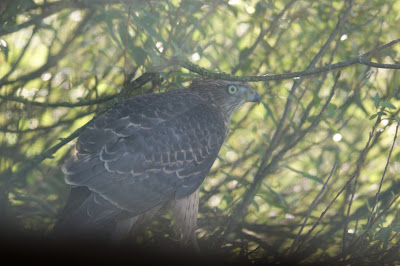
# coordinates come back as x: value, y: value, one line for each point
x: 323, y: 214
x: 313, y: 204
x: 354, y: 176
x: 386, y: 209
x: 382, y: 178
x: 370, y: 219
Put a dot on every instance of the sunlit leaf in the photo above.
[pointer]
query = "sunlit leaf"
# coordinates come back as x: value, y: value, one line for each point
x: 306, y: 175
x: 388, y: 105
x: 277, y: 195
x: 147, y: 28
x: 373, y: 116
x: 377, y: 100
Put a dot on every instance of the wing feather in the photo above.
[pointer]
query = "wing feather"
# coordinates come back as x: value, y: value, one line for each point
x: 146, y: 151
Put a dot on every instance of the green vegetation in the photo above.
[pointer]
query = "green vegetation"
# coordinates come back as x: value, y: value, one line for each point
x: 310, y: 174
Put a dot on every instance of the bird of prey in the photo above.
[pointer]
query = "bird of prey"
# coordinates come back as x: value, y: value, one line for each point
x: 146, y: 153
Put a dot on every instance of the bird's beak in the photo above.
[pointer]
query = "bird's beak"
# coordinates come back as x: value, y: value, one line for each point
x: 254, y: 97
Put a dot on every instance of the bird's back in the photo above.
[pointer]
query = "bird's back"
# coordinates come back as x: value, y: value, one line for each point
x: 140, y: 154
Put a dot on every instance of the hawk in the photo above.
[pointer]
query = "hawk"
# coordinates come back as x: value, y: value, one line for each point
x: 146, y: 153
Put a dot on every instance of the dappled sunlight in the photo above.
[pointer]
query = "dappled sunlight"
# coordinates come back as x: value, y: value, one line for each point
x: 307, y: 174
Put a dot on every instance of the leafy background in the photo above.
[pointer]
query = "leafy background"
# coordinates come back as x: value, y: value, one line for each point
x: 309, y: 174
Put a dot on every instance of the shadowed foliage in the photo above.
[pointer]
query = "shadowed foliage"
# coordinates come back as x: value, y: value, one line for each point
x: 310, y: 175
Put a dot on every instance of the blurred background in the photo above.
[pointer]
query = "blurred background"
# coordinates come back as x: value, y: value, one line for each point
x: 306, y: 174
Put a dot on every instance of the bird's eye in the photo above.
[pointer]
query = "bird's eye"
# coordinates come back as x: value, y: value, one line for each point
x: 232, y: 89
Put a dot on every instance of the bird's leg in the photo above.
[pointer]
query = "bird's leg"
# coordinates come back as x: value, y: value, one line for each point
x: 185, y: 217
x: 193, y: 241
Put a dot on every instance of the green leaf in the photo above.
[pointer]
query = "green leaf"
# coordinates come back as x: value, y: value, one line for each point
x: 123, y: 36
x: 294, y: 125
x: 147, y: 28
x: 266, y: 137
x: 221, y: 159
x: 330, y: 113
x: 332, y: 106
x: 373, y: 116
x: 311, y: 118
x: 381, y: 113
x: 331, y: 110
x: 254, y: 130
x: 138, y: 54
x: 377, y: 100
x: 228, y: 197
x: 306, y: 175
x: 254, y: 203
x: 316, y: 100
x: 110, y: 31
x: 383, y: 234
x: 176, y: 48
x: 330, y: 125
x: 150, y: 17
x: 279, y: 196
x: 388, y: 105
x: 199, y: 50
x: 270, y: 113
x: 154, y: 57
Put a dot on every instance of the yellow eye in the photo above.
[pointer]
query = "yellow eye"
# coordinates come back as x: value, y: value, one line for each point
x: 232, y: 89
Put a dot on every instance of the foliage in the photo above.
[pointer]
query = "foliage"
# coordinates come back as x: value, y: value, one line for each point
x: 309, y: 174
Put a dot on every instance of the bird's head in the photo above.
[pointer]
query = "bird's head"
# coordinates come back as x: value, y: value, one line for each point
x: 228, y: 95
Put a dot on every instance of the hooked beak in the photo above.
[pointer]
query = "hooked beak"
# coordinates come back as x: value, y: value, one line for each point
x: 254, y: 97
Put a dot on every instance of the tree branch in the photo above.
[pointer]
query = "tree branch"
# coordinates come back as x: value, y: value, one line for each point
x: 360, y: 59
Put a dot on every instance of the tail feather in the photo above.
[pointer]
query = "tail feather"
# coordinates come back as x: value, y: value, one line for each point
x: 84, y: 217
